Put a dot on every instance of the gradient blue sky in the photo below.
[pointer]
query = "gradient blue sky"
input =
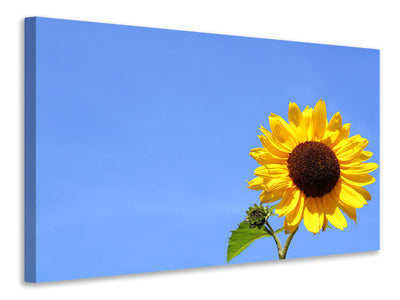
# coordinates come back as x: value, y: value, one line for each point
x: 143, y: 140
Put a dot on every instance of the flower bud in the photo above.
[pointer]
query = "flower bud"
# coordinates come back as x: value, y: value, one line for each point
x: 256, y: 216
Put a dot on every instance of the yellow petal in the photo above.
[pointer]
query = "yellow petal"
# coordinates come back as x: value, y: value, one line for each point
x: 268, y: 197
x: 288, y: 202
x: 277, y: 183
x: 321, y: 213
x: 362, y: 191
x: 263, y: 157
x: 256, y: 184
x: 350, y: 147
x: 357, y: 179
x: 332, y: 212
x: 325, y: 223
x: 349, y: 195
x: 307, y: 123
x: 354, y: 159
x: 281, y: 130
x: 329, y: 137
x: 312, y: 213
x: 340, y: 135
x: 348, y: 210
x: 289, y: 228
x: 335, y: 123
x: 275, y: 147
x: 300, y: 133
x: 365, y: 155
x: 271, y: 171
x: 295, y: 115
x: 294, y: 217
x: 319, y: 119
x: 296, y: 123
x: 351, y: 159
x: 360, y: 168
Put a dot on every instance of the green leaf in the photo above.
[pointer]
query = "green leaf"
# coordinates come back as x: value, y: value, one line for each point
x: 242, y: 237
x: 279, y: 230
x: 243, y: 225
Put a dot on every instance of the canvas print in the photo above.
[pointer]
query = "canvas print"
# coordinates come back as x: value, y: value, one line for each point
x: 151, y: 150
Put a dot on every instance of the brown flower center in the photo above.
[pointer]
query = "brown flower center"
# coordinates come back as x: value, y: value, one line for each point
x: 314, y: 168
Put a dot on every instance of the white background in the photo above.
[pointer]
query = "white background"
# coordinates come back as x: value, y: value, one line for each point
x: 370, y: 24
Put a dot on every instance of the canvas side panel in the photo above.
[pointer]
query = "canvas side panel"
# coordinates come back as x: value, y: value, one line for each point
x: 379, y: 158
x: 30, y: 149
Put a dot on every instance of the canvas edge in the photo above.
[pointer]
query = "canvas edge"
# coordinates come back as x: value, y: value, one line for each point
x: 30, y: 149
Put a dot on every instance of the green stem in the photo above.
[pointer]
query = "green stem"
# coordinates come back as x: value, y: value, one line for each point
x: 288, y: 241
x: 276, y: 239
x: 281, y: 252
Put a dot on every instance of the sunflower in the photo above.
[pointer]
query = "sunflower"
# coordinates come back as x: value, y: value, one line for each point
x: 313, y: 167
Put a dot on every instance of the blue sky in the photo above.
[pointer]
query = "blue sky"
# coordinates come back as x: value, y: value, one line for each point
x: 143, y: 140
